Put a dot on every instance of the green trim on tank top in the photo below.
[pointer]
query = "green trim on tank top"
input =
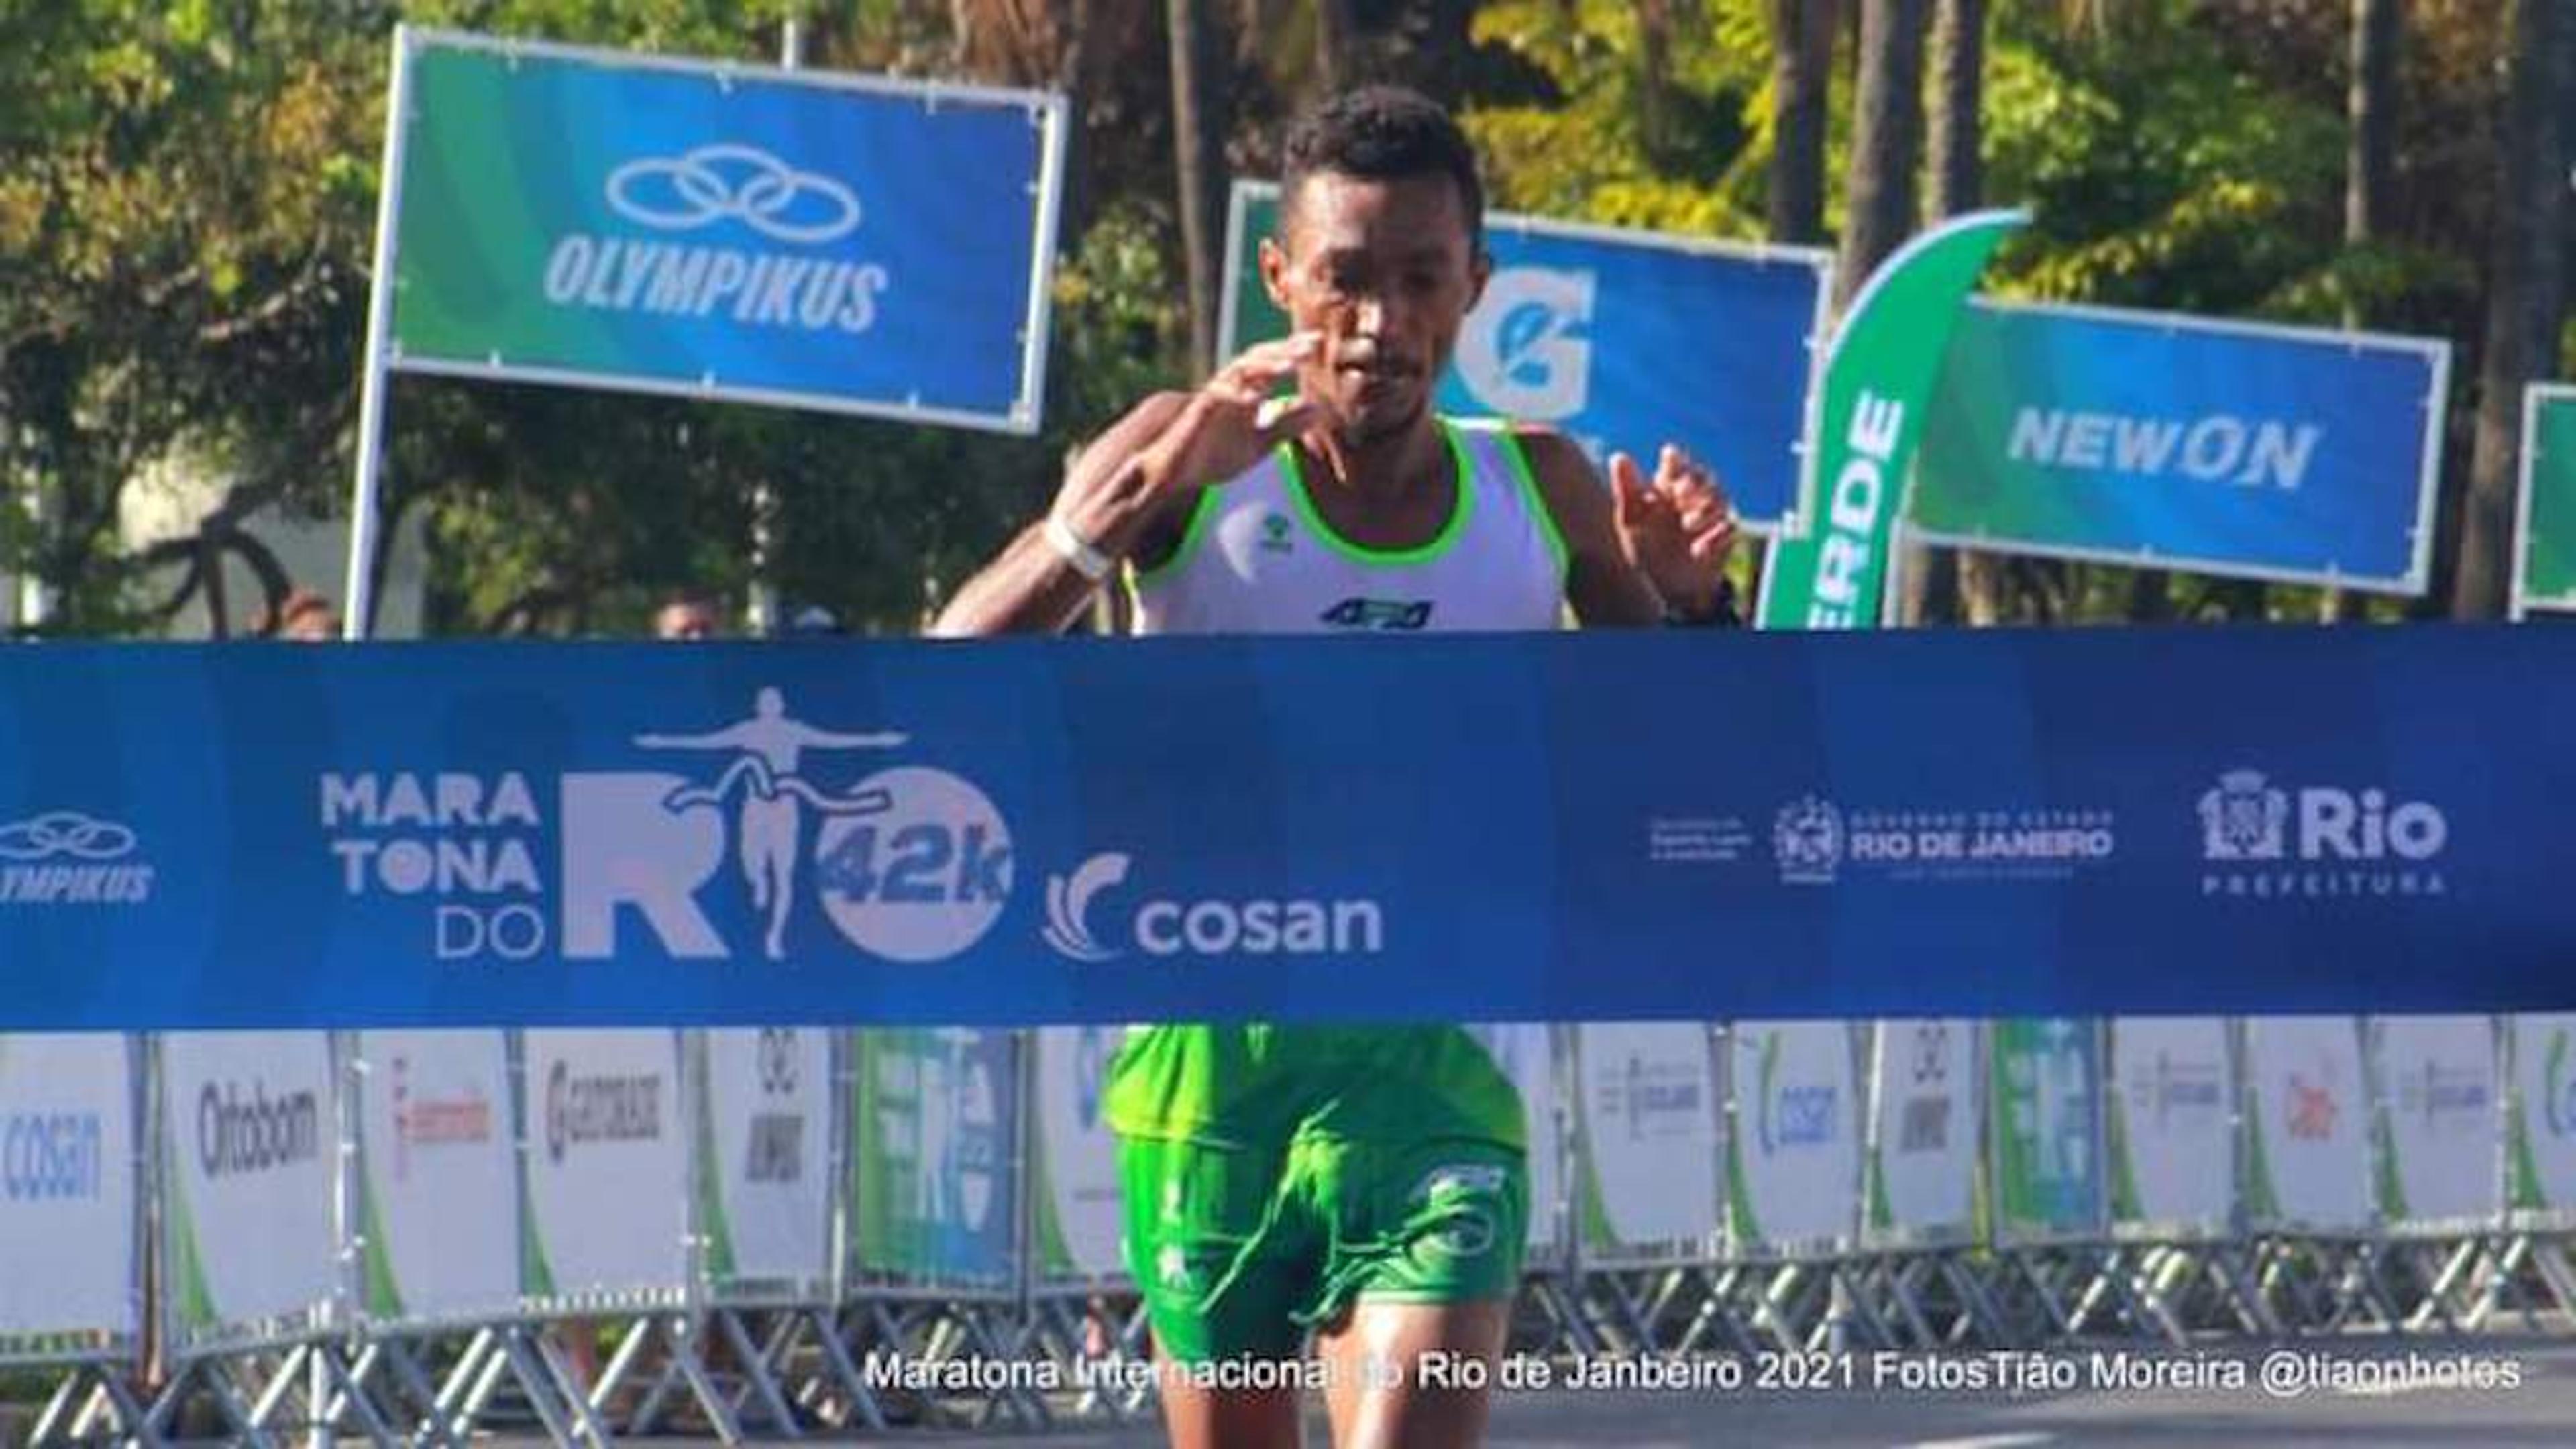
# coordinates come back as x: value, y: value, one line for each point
x: 1440, y: 543
x: 1533, y: 500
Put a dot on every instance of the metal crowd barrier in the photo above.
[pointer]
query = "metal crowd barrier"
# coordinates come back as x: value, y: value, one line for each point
x: 416, y: 1236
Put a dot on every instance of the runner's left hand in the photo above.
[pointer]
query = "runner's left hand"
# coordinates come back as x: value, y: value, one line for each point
x: 1678, y: 529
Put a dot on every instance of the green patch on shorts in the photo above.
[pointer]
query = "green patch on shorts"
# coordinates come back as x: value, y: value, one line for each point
x: 1239, y: 1250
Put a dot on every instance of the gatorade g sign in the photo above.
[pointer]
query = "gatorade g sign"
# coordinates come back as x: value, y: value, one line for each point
x: 1623, y: 339
x: 704, y: 228
x: 1885, y: 360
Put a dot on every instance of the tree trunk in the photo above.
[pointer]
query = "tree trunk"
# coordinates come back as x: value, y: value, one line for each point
x: 1802, y: 68
x: 1954, y: 136
x: 1886, y: 139
x: 1335, y: 60
x: 2370, y: 111
x: 2526, y: 293
x: 1198, y: 144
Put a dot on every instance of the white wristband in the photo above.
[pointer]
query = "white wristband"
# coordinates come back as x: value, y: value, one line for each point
x: 1076, y: 550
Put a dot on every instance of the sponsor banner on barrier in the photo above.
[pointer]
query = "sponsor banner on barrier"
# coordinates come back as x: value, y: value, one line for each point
x: 438, y: 1181
x: 764, y: 1157
x: 2441, y: 1126
x: 1793, y: 1154
x: 2172, y: 1108
x: 1647, y: 1157
x: 934, y: 1174
x: 2045, y: 1127
x: 717, y: 230
x: 2307, y: 1144
x: 1526, y: 1051
x: 607, y: 1165
x: 2156, y: 437
x: 1624, y: 340
x: 1024, y: 831
x: 251, y: 1137
x: 2541, y: 1149
x: 2544, y: 573
x: 1079, y: 1224
x: 1923, y: 1147
x: 67, y: 1186
x: 1878, y: 379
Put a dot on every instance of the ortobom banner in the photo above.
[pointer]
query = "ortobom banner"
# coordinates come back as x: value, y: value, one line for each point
x: 2544, y: 574
x: 2152, y: 437
x: 1026, y: 832
x: 250, y: 1146
x: 67, y: 1170
x: 1626, y: 340
x: 715, y: 230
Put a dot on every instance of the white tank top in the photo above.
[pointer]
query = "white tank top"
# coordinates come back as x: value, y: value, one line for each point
x: 1257, y: 557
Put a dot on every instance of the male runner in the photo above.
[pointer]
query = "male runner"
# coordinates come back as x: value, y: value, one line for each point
x: 1369, y: 1183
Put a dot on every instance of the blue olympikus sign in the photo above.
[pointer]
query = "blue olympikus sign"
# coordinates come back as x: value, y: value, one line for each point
x: 1468, y: 829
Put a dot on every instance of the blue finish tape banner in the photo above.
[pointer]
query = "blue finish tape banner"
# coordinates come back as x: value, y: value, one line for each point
x: 1626, y: 340
x: 2152, y: 437
x: 715, y: 230
x: 1608, y: 826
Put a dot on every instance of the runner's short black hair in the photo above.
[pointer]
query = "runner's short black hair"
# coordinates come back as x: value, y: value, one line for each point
x: 1382, y: 133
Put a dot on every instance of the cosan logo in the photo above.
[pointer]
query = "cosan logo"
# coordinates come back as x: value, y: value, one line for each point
x: 2262, y: 839
x: 1215, y: 926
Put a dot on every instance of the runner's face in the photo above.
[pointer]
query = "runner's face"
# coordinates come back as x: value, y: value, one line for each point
x: 1386, y: 272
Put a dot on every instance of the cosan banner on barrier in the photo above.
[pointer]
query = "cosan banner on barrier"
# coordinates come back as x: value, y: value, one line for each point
x: 716, y: 230
x: 2541, y: 1145
x: 1626, y: 340
x: 251, y: 1139
x: 764, y: 1160
x: 558, y: 835
x: 2045, y: 1129
x: 1076, y: 1199
x: 1923, y: 1135
x: 1526, y: 1051
x: 2158, y: 438
x: 438, y: 1176
x: 2172, y: 1126
x: 1793, y: 1156
x: 934, y: 1166
x: 67, y: 1186
x: 2307, y: 1108
x: 1647, y: 1154
x: 2544, y: 572
x: 2440, y: 1121
x: 607, y: 1166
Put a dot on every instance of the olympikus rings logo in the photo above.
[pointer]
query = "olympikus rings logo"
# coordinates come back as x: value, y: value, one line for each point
x: 710, y: 187
x: 64, y: 857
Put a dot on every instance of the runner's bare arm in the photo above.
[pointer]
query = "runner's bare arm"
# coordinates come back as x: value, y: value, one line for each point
x: 1641, y: 551
x: 1127, y: 493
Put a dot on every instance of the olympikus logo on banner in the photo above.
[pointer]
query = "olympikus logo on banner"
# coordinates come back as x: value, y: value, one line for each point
x: 710, y: 185
x: 2213, y: 449
x: 66, y: 858
x: 238, y: 1134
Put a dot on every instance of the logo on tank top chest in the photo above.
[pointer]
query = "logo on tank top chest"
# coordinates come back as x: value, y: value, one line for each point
x: 1382, y: 615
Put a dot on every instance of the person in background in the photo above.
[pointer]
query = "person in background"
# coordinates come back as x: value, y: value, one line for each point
x: 688, y: 616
